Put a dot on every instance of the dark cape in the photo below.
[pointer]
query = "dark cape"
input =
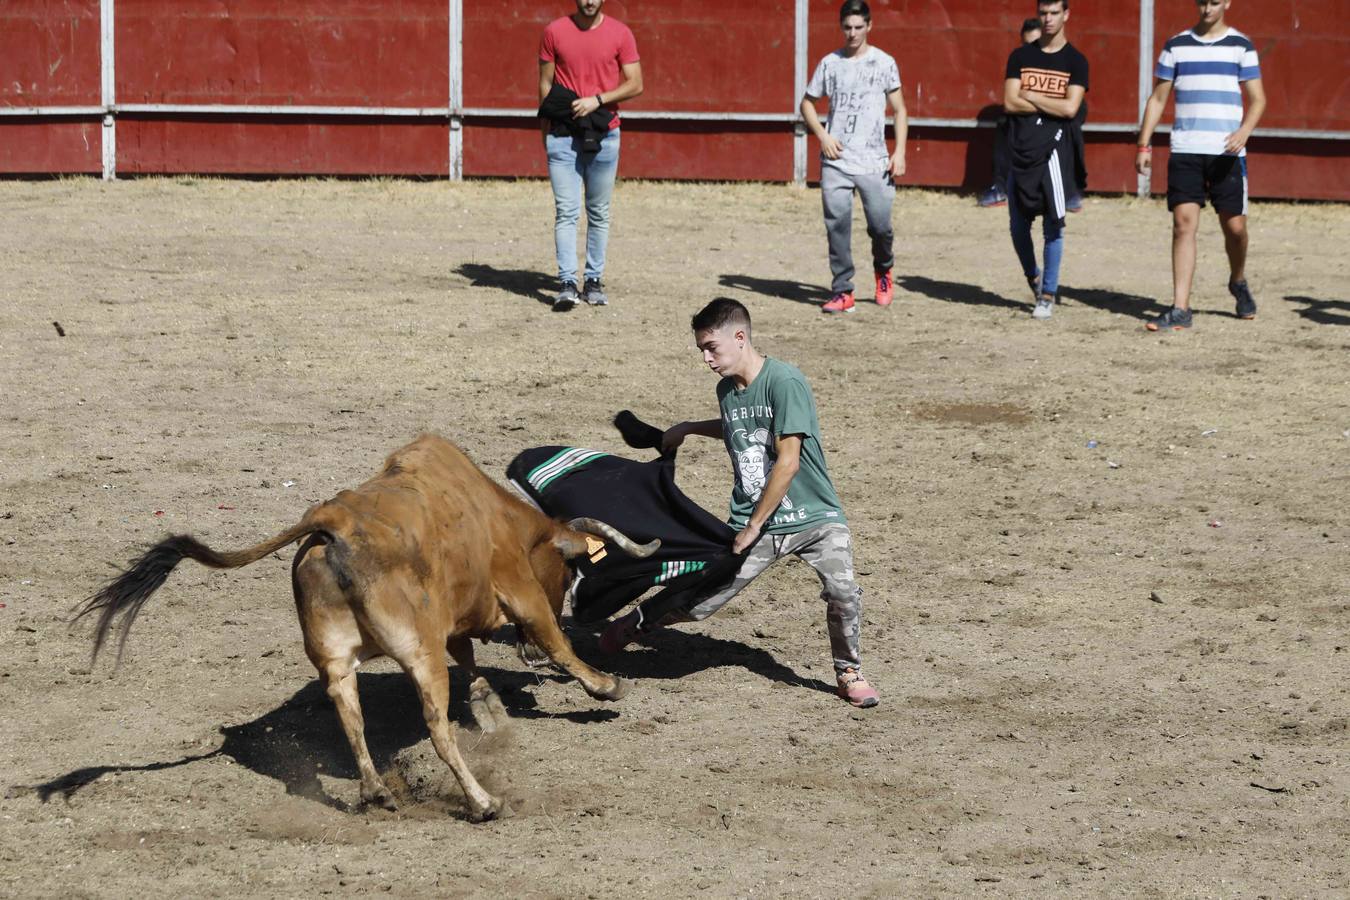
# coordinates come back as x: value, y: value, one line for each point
x: 641, y: 500
x: 557, y: 108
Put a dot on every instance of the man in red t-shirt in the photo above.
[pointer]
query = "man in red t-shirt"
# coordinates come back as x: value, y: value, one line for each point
x: 595, y: 57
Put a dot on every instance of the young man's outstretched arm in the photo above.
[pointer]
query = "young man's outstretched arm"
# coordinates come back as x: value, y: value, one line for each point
x: 674, y: 435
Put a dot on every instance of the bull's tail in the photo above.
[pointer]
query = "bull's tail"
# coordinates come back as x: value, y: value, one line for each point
x: 128, y: 592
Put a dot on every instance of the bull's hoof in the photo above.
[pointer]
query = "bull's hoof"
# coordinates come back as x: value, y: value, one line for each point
x: 533, y: 656
x: 497, y: 809
x: 621, y: 688
x: 486, y: 707
x: 379, y: 797
x: 482, y: 715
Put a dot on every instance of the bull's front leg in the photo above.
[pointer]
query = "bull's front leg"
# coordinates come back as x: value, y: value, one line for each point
x: 526, y: 604
x: 484, y: 704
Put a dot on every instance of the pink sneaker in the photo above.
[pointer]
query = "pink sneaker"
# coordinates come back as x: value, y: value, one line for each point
x: 841, y: 302
x: 620, y: 633
x: 855, y: 689
x: 885, y: 288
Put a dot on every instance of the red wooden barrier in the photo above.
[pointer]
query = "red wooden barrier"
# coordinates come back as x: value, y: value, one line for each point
x: 699, y: 56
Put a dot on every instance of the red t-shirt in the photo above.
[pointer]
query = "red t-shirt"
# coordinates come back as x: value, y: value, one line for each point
x: 588, y: 62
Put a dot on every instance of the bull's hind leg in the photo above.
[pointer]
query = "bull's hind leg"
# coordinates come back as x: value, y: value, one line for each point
x: 433, y: 685
x: 342, y: 689
x: 484, y: 703
x: 336, y: 646
x: 527, y: 605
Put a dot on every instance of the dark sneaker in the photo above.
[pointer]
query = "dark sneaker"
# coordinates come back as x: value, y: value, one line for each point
x: 594, y: 293
x: 1174, y: 319
x: 1246, y: 303
x: 841, y: 302
x: 621, y: 632
x: 1074, y: 203
x: 1034, y: 282
x: 993, y: 197
x: 567, y: 297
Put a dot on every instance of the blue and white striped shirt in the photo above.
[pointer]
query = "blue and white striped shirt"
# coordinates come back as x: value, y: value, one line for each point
x: 1207, y: 77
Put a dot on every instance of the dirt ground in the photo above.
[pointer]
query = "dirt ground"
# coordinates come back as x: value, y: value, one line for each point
x: 1110, y: 669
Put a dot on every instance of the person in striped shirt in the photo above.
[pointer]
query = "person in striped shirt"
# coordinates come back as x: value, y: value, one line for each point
x: 1212, y: 67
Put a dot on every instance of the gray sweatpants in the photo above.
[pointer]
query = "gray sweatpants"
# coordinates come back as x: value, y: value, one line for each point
x: 836, y: 197
x: 826, y: 548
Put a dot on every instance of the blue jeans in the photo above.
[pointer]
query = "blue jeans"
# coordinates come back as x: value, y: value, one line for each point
x: 569, y: 169
x: 1020, y: 226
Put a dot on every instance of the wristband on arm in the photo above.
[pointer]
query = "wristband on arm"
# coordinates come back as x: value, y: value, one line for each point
x: 598, y: 101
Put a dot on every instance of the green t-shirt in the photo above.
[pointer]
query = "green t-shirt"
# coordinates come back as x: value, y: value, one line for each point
x: 776, y: 403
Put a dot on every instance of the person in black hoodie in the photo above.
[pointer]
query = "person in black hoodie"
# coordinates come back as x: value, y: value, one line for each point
x: 1043, y: 90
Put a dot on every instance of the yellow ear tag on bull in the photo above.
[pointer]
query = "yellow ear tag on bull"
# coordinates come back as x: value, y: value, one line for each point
x: 596, y: 548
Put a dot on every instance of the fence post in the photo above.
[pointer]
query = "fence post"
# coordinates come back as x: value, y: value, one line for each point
x: 456, y: 90
x: 1145, y: 184
x: 799, y: 50
x: 108, y: 82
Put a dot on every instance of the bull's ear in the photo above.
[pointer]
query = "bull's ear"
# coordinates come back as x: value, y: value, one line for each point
x: 637, y: 433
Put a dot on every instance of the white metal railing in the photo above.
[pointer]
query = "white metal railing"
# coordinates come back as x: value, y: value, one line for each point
x: 456, y: 113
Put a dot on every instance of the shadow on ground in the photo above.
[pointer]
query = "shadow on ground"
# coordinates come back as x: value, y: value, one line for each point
x: 955, y: 292
x: 521, y: 282
x: 675, y: 654
x: 1323, y: 312
x: 302, y: 737
x: 782, y: 289
x: 1114, y: 301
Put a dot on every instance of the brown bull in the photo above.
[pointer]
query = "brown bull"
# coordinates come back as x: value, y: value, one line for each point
x: 420, y: 559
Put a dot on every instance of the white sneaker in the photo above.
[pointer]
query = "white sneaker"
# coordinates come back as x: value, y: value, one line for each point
x: 1045, y: 307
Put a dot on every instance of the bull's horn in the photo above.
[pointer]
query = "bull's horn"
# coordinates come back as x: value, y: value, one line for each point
x: 609, y: 532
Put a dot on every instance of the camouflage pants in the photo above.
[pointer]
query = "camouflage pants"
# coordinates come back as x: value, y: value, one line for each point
x: 826, y: 548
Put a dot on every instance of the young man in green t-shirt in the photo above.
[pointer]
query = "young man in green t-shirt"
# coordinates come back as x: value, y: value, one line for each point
x: 782, y: 502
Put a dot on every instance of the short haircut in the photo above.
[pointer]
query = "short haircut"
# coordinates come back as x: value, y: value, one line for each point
x: 720, y: 313
x: 1040, y: 3
x: 1029, y: 25
x: 855, y: 8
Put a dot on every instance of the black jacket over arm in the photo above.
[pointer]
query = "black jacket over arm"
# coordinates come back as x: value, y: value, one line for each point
x: 557, y: 108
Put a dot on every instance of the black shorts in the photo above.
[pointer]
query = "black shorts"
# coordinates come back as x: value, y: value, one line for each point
x: 1191, y: 177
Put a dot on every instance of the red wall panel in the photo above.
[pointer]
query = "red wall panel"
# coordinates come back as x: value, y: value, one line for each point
x: 342, y: 147
x: 31, y: 146
x: 952, y: 55
x: 734, y: 56
x: 318, y: 52
x: 700, y: 55
x: 690, y: 151
x: 49, y: 53
x: 1303, y: 45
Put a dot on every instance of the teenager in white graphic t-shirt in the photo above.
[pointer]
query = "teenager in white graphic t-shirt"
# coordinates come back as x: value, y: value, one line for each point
x: 862, y: 84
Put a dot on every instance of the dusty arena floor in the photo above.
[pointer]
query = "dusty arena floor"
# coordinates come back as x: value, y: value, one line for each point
x: 1117, y: 669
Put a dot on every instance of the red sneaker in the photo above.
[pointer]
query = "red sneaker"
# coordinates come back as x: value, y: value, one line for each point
x: 842, y: 302
x: 885, y: 288
x: 855, y: 689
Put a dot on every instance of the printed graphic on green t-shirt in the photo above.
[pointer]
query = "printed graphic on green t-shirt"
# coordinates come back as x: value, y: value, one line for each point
x: 776, y: 403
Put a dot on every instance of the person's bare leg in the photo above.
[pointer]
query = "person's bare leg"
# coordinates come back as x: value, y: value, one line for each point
x: 1185, y: 221
x: 1235, y: 243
